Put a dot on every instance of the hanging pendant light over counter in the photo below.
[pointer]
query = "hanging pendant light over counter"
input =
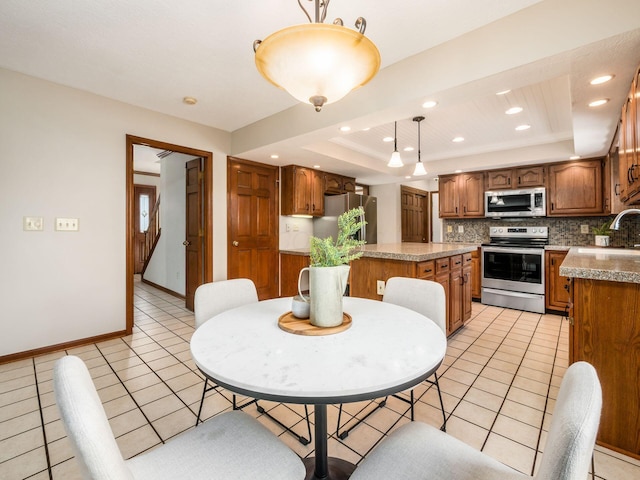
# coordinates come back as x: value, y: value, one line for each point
x: 419, y: 170
x: 318, y: 63
x: 395, y: 161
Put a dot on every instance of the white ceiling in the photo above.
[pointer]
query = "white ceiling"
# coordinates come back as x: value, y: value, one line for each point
x: 152, y: 53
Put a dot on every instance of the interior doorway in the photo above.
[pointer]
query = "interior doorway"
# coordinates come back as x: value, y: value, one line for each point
x: 204, y: 204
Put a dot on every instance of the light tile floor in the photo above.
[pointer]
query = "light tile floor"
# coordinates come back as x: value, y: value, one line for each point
x: 499, y: 380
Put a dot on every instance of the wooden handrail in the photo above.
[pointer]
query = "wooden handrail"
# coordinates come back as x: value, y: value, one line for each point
x: 152, y: 234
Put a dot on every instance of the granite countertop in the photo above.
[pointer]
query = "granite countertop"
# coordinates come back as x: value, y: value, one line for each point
x: 598, y: 264
x: 410, y: 252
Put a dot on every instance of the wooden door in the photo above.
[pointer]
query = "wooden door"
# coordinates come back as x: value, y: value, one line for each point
x: 557, y: 295
x: 414, y: 208
x: 194, y: 231
x: 317, y: 193
x: 575, y: 188
x: 252, y: 217
x: 144, y: 201
x: 455, y: 294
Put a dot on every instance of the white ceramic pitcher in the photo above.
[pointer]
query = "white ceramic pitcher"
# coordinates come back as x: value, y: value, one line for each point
x: 326, y: 288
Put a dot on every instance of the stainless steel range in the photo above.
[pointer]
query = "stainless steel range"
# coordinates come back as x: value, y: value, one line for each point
x: 513, y: 268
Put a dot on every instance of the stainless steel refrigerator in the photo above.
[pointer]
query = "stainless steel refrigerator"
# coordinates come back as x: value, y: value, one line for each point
x: 335, y: 205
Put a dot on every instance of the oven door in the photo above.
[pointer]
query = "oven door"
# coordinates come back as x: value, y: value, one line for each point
x: 514, y: 269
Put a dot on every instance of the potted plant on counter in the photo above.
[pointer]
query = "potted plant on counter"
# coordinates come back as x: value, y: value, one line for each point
x: 602, y: 234
x: 329, y: 270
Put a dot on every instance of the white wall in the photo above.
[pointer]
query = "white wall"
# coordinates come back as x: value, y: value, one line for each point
x: 295, y: 232
x: 62, y: 154
x: 389, y: 221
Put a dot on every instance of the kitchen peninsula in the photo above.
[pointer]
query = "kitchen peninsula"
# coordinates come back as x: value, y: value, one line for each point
x: 449, y: 264
x: 605, y: 331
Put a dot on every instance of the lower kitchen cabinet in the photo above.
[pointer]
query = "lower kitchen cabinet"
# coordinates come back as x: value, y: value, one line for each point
x: 476, y: 274
x: 605, y: 331
x: 556, y: 286
x: 290, y: 266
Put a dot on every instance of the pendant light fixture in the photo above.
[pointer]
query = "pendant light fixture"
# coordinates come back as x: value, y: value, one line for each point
x: 419, y: 170
x: 395, y: 161
x: 315, y: 62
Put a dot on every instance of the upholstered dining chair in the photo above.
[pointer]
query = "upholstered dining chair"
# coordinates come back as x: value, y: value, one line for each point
x: 427, y: 298
x: 217, y: 297
x: 231, y: 446
x: 419, y: 451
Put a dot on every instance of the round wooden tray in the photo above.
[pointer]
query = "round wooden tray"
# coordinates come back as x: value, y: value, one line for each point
x: 302, y: 326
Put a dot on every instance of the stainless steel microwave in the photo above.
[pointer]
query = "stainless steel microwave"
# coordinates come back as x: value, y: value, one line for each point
x: 528, y: 202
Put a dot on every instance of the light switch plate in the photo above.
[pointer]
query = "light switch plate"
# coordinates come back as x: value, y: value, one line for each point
x: 67, y: 224
x: 460, y: 229
x: 32, y: 224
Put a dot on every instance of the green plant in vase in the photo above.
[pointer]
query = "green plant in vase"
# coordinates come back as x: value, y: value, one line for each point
x: 602, y: 234
x: 327, y: 253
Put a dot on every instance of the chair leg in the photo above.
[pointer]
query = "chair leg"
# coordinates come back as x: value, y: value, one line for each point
x: 593, y: 466
x: 444, y: 415
x: 412, y: 404
x: 345, y: 433
x: 204, y: 391
x: 300, y: 438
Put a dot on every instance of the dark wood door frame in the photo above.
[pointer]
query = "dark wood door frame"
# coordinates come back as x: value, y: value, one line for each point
x: 130, y: 212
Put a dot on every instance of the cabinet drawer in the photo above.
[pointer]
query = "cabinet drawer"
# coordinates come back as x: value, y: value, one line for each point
x: 442, y: 265
x: 426, y: 270
x: 466, y: 259
x: 456, y: 262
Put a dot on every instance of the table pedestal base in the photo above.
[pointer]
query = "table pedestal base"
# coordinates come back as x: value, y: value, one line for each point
x: 339, y: 469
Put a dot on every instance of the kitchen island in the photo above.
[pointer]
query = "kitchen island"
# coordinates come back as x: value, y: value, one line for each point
x: 449, y: 264
x: 605, y: 331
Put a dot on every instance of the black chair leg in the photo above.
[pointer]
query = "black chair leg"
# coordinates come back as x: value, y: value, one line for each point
x: 593, y: 466
x: 444, y: 415
x: 204, y: 391
x: 345, y: 433
x: 300, y: 438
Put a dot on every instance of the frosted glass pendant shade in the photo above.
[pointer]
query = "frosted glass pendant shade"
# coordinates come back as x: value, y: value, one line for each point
x: 317, y: 63
x: 395, y: 160
x: 419, y: 170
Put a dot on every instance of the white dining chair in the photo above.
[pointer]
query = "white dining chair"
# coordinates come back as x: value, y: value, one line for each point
x: 216, y: 297
x: 427, y: 298
x: 420, y: 452
x: 231, y: 446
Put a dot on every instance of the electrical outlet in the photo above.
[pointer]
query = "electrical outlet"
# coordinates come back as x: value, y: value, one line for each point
x: 584, y: 228
x: 295, y: 227
x: 32, y: 224
x: 449, y: 229
x: 460, y: 229
x: 380, y: 287
x: 67, y: 224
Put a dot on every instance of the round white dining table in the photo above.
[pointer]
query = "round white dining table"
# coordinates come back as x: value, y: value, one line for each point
x: 387, y: 349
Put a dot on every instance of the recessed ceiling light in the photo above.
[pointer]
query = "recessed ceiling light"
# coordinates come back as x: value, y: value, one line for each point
x: 274, y: 156
x: 503, y: 92
x: 316, y: 166
x: 574, y: 157
x: 190, y: 100
x: 602, y: 79
x: 429, y: 104
x: 458, y: 139
x: 346, y: 128
x: 458, y: 171
x: 523, y: 127
x: 387, y: 139
x: 597, y: 103
x: 366, y: 129
x: 513, y: 110
x: 408, y: 176
x: 408, y: 149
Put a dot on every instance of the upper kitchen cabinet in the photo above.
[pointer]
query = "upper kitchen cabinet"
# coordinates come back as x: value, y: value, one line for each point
x: 461, y: 196
x: 577, y: 189
x: 335, y: 184
x: 523, y: 177
x: 302, y: 191
x: 629, y: 170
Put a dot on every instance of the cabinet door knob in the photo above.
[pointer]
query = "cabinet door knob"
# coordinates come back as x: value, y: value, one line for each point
x: 235, y: 243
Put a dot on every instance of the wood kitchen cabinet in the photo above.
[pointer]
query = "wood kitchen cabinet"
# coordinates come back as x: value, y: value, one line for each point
x: 302, y: 191
x: 556, y: 286
x: 576, y: 189
x: 605, y: 331
x: 461, y: 196
x: 335, y: 184
x: 629, y: 141
x: 467, y: 286
x: 513, y: 178
x: 443, y: 277
x: 290, y: 266
x: 476, y: 275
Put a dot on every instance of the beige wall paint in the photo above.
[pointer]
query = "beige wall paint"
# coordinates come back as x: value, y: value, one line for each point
x: 62, y: 154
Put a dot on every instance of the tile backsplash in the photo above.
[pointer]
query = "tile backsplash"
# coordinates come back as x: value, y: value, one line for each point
x: 562, y: 231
